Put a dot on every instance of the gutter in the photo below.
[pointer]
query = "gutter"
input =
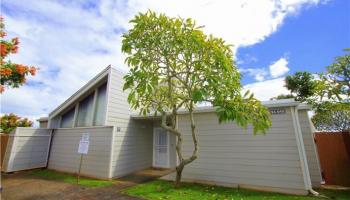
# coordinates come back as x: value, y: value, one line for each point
x: 209, y: 109
x: 301, y: 149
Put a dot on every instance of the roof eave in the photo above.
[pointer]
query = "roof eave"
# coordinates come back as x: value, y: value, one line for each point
x: 42, y: 119
x: 80, y: 92
x: 206, y: 109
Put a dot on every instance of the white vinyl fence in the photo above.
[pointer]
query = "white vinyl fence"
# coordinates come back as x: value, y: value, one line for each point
x: 27, y: 148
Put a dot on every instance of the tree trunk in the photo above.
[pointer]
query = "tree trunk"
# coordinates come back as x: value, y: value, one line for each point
x: 173, y: 129
x: 184, y: 162
x: 179, y: 170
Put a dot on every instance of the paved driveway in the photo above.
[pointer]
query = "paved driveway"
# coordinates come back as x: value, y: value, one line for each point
x: 24, y: 186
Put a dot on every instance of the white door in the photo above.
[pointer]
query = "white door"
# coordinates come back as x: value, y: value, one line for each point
x: 160, y: 148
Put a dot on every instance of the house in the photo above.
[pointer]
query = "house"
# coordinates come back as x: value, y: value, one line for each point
x: 43, y: 122
x: 122, y: 142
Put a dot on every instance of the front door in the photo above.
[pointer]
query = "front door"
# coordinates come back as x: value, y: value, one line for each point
x: 160, y: 148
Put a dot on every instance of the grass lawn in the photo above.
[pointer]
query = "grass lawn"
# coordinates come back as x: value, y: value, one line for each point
x: 52, y: 175
x: 165, y: 190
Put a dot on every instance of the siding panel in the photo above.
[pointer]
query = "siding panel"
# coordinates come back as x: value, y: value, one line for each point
x: 27, y: 149
x: 64, y: 151
x: 231, y: 155
x: 310, y: 149
x: 133, y: 140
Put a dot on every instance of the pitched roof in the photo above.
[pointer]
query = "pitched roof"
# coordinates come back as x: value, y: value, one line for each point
x: 104, y: 73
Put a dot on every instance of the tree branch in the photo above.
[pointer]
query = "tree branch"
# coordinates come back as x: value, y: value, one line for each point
x: 194, y: 138
x: 168, y: 128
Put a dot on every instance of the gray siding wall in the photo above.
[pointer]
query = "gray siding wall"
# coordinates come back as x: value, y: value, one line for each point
x: 310, y: 149
x: 64, y: 151
x: 132, y: 149
x: 27, y: 149
x: 43, y: 124
x: 231, y: 155
x: 54, y: 122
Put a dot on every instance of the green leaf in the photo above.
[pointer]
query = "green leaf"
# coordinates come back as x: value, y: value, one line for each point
x: 172, y: 61
x: 197, y: 96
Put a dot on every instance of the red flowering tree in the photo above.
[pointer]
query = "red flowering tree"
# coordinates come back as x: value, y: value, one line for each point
x: 8, y: 122
x: 11, y: 74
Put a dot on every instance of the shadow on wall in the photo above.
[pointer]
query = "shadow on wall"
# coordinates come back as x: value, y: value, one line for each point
x: 64, y: 154
x: 133, y: 146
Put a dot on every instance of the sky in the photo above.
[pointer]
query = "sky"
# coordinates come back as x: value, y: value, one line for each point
x: 71, y: 41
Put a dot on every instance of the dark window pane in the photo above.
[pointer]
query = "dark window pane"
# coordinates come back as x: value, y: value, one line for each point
x: 100, y: 113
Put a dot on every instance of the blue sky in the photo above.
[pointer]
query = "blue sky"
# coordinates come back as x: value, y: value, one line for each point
x: 309, y: 40
x: 71, y: 41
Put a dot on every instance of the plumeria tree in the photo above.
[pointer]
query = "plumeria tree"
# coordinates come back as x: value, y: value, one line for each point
x: 11, y: 74
x: 174, y: 65
x: 9, y: 122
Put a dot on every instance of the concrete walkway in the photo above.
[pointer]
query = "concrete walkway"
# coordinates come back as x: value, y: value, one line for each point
x: 24, y: 186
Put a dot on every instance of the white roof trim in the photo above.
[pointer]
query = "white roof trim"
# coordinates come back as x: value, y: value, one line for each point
x: 206, y: 109
x: 280, y: 103
x: 80, y: 92
x: 42, y: 119
x: 304, y: 106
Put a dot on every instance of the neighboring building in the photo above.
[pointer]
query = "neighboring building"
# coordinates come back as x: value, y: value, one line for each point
x: 43, y: 122
x: 122, y: 142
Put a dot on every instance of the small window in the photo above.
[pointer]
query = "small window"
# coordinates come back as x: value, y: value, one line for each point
x: 85, y: 111
x: 67, y: 119
x: 100, y: 112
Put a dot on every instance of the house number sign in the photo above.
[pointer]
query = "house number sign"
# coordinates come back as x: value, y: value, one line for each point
x: 278, y: 111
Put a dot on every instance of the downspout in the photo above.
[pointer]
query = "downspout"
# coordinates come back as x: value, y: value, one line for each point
x: 301, y: 149
x: 111, y: 156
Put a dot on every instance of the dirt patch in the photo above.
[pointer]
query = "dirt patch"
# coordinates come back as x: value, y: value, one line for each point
x: 25, y: 186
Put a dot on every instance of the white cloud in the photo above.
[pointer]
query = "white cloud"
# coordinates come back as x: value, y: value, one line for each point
x: 259, y: 77
x: 69, y: 49
x: 239, y: 22
x: 267, y: 89
x: 71, y: 41
x: 246, y: 59
x: 279, y: 68
x: 259, y: 74
x: 276, y: 69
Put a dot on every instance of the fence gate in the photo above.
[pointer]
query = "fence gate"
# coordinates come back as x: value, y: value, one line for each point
x: 334, y: 154
x: 27, y: 148
x: 3, y: 141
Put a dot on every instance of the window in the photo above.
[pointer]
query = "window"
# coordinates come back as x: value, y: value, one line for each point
x: 85, y: 111
x: 100, y: 111
x: 67, y: 119
x: 91, y: 110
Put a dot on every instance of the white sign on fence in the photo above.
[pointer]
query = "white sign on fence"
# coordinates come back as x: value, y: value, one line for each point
x: 85, y: 137
x: 84, y: 144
